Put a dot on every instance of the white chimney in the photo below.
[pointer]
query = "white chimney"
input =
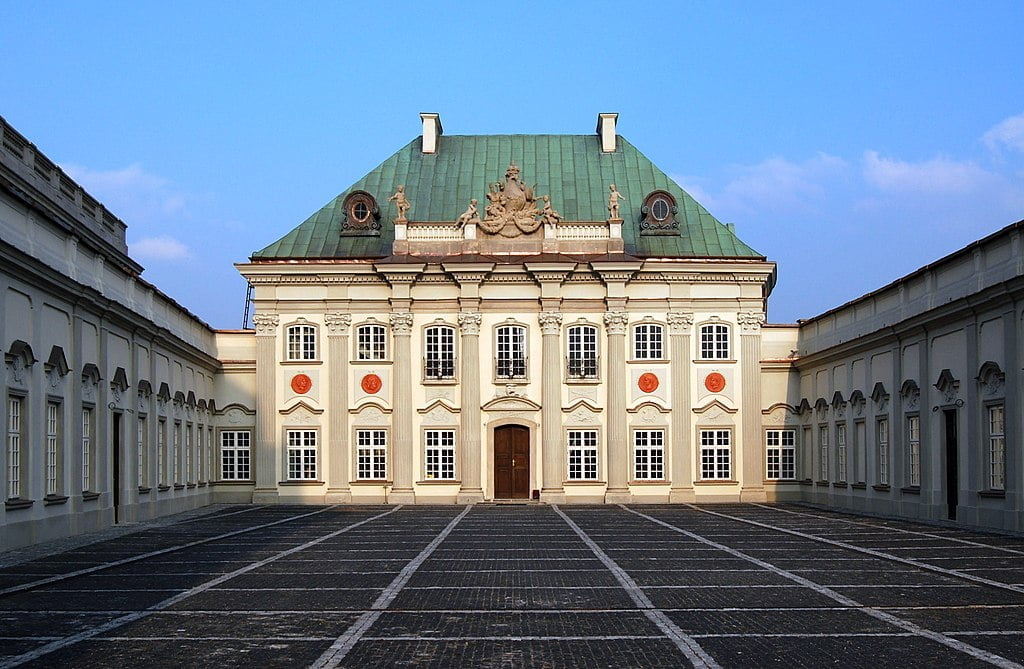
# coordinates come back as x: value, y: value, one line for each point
x: 606, y: 131
x: 431, y: 131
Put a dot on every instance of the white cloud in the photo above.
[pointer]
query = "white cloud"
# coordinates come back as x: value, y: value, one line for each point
x: 1008, y: 132
x: 159, y: 248
x: 131, y: 193
x: 929, y: 176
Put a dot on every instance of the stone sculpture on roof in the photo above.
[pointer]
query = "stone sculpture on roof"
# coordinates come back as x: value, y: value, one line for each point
x: 511, y: 207
x: 402, y: 202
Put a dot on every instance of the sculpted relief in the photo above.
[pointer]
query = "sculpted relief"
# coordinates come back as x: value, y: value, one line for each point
x: 511, y: 209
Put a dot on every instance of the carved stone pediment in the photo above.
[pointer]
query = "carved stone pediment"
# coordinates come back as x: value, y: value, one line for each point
x: 511, y: 403
x: 948, y: 386
x: 713, y: 411
x: 992, y: 380
x: 778, y: 413
x: 511, y: 209
x: 301, y: 413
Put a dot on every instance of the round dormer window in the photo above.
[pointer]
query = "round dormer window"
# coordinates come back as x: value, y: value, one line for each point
x: 360, y: 212
x: 660, y: 209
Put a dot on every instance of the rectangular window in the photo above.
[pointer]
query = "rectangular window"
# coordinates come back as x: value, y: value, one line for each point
x: 176, y: 454
x: 52, y: 446
x: 87, y: 438
x: 301, y: 455
x: 209, y: 453
x: 914, y: 449
x: 582, y: 455
x: 996, y: 448
x: 823, y: 448
x: 714, y: 342
x: 161, y: 452
x: 511, y: 359
x: 715, y: 454
x: 649, y: 455
x: 371, y: 342
x: 302, y: 342
x: 780, y: 451
x: 201, y: 467
x: 14, y: 415
x: 582, y: 360
x: 648, y: 342
x: 439, y: 359
x: 841, y: 452
x: 234, y: 455
x: 372, y: 454
x: 141, y: 446
x: 440, y: 454
x: 188, y: 453
x: 883, y: 451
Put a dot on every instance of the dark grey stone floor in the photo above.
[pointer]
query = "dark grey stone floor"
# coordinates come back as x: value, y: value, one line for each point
x: 520, y: 585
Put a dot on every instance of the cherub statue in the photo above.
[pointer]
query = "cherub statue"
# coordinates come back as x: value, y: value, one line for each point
x: 548, y: 215
x: 402, y: 202
x: 469, y: 216
x: 613, y: 202
x: 495, y: 197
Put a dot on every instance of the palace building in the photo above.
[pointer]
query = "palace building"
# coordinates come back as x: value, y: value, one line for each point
x: 491, y: 317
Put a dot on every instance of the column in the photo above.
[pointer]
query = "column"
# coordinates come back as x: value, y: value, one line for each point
x: 615, y: 323
x: 469, y: 417
x: 339, y: 459
x: 552, y: 452
x: 751, y: 458
x: 267, y: 456
x: 681, y: 458
x: 402, y: 436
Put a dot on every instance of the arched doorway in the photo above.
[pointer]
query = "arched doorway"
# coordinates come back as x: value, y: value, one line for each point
x: 511, y: 462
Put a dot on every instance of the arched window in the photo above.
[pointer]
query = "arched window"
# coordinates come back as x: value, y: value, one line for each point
x: 510, y: 361
x: 714, y: 341
x: 581, y: 361
x: 301, y: 342
x: 648, y: 341
x: 439, y: 352
x: 371, y: 342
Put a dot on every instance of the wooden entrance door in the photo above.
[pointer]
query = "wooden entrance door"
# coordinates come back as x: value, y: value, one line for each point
x: 512, y: 462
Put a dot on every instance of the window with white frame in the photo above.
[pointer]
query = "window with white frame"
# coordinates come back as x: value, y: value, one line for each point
x: 301, y: 455
x: 161, y: 452
x: 649, y: 455
x: 371, y: 342
x: 841, y: 452
x: 780, y: 453
x: 188, y: 453
x: 176, y: 454
x: 439, y: 352
x: 52, y: 448
x: 716, y: 454
x: 141, y: 445
x: 996, y: 448
x: 714, y: 341
x: 200, y: 454
x: 235, y: 455
x: 582, y: 358
x: 301, y: 342
x: 648, y: 341
x: 440, y: 454
x: 87, y: 451
x: 511, y: 352
x: 582, y: 455
x: 209, y: 453
x: 372, y: 455
x: 823, y: 450
x: 14, y: 440
x: 914, y: 450
x: 883, y: 451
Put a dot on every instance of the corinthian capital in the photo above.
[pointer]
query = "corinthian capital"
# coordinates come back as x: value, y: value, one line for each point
x: 266, y: 324
x: 469, y: 323
x: 550, y: 322
x: 401, y: 323
x: 679, y: 321
x: 615, y: 322
x: 338, y: 324
x: 750, y: 321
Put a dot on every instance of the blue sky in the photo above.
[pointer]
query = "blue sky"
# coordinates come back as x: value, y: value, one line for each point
x: 849, y: 142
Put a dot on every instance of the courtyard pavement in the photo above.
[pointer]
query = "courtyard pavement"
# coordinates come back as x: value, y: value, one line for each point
x: 741, y: 585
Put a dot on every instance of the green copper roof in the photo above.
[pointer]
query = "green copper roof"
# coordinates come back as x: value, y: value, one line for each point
x: 570, y: 168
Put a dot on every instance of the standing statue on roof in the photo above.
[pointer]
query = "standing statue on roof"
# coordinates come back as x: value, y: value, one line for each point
x: 548, y: 215
x: 613, y: 202
x: 402, y: 202
x: 471, y: 215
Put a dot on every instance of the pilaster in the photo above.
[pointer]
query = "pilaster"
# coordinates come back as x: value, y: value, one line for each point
x: 402, y: 462
x: 680, y: 326
x: 339, y: 458
x: 469, y: 416
x: 751, y: 458
x: 615, y: 323
x: 552, y: 453
x: 267, y: 459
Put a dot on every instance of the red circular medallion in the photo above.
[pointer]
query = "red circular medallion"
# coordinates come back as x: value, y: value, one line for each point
x: 301, y: 384
x: 714, y: 382
x: 647, y: 382
x: 371, y: 383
